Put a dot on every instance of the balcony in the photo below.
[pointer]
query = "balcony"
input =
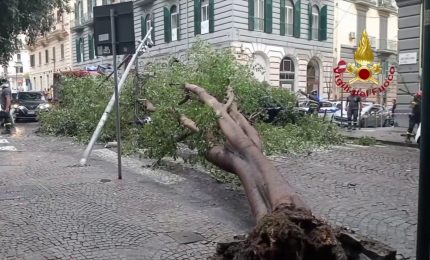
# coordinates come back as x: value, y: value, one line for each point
x: 59, y: 32
x: 381, y: 45
x: 82, y: 21
x: 386, y: 5
x: 366, y: 2
x: 143, y: 2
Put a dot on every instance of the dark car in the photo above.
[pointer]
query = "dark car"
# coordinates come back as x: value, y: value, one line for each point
x: 29, y: 104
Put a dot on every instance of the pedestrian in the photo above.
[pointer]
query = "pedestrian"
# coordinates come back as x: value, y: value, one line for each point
x: 50, y: 94
x: 415, y: 116
x: 6, y: 105
x: 393, y: 111
x: 353, y: 106
x: 314, y: 101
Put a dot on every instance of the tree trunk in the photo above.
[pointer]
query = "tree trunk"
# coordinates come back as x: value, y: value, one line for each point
x: 286, y: 228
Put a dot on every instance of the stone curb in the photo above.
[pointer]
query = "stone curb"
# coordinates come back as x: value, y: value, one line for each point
x: 393, y: 143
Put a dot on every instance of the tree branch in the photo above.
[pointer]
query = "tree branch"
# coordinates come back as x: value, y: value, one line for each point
x: 245, y: 125
x: 188, y: 123
x: 149, y: 106
x: 230, y: 97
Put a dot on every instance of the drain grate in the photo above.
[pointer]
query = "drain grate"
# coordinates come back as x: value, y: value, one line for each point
x: 105, y: 180
x: 186, y: 237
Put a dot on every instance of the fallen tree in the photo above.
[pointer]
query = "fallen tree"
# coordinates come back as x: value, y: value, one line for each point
x: 286, y: 227
x: 221, y: 115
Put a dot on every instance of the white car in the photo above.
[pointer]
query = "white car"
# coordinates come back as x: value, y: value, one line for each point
x: 418, y: 135
x: 372, y: 115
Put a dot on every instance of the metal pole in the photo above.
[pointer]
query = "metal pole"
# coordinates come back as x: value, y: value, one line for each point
x: 115, y: 79
x: 109, y: 106
x: 423, y: 227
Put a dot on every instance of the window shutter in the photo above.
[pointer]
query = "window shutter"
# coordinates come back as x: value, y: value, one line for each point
x: 179, y: 23
x: 211, y: 16
x: 251, y: 15
x: 83, y: 49
x: 268, y: 16
x: 78, y: 51
x: 90, y: 54
x: 153, y: 28
x: 282, y: 22
x: 323, y: 24
x: 89, y: 7
x: 167, y: 25
x: 297, y: 12
x: 310, y: 22
x: 143, y: 26
x: 76, y: 13
x: 197, y: 17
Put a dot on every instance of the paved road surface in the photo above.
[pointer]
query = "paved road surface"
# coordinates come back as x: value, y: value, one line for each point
x: 49, y: 208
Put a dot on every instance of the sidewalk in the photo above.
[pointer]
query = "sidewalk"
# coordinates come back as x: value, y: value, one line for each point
x: 386, y: 135
x: 50, y: 208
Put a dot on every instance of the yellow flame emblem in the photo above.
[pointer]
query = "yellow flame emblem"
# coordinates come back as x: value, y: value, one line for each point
x: 364, y: 57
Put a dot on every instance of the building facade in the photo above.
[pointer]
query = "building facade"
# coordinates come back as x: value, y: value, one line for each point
x: 290, y: 41
x: 51, y: 53
x: 16, y: 72
x: 410, y: 50
x: 379, y: 19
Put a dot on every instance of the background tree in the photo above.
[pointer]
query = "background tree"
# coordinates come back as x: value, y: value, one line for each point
x: 29, y: 17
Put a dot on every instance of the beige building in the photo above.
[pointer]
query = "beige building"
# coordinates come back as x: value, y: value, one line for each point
x: 51, y: 53
x: 380, y: 19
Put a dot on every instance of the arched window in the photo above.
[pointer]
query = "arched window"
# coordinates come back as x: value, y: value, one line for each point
x: 315, y: 22
x: 174, y: 22
x: 286, y: 73
x: 289, y: 18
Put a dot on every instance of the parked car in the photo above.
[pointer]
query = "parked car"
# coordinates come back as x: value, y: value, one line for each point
x: 326, y: 107
x: 372, y: 115
x: 28, y: 105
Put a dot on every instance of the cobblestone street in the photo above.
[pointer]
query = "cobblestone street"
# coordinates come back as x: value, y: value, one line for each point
x: 52, y: 209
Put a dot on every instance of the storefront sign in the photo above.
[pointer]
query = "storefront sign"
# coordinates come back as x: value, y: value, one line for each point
x: 363, y: 70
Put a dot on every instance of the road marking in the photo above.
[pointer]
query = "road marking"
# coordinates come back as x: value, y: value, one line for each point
x: 4, y: 141
x: 8, y: 148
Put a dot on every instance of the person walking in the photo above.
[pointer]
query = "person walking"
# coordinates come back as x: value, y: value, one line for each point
x: 415, y: 116
x: 353, y: 106
x: 6, y: 105
x: 393, y: 112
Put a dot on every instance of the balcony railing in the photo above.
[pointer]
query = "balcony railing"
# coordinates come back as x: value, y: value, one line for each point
x: 385, y: 3
x: 83, y: 20
x: 381, y: 44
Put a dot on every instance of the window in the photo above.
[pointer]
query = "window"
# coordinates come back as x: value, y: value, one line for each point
x: 148, y: 23
x: 174, y: 22
x: 46, y: 56
x: 53, y: 54
x: 91, y: 49
x: 205, y: 17
x: 286, y: 73
x: 40, y: 58
x: 19, y: 69
x: 204, y: 13
x: 259, y: 15
x: 107, y: 2
x: 34, y: 80
x: 289, y: 18
x: 32, y: 61
x: 315, y: 22
x: 81, y: 49
x: 62, y: 51
x: 18, y: 57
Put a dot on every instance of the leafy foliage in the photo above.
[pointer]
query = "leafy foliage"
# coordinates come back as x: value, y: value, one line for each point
x: 29, y: 17
x: 84, y: 102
